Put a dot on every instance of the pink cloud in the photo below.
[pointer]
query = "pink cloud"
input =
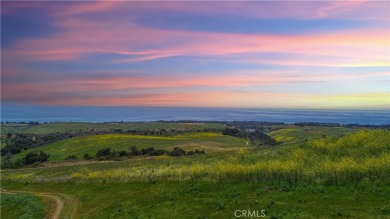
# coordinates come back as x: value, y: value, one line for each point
x: 81, y: 38
x: 87, y: 7
x: 215, y: 99
x: 89, y: 89
x: 78, y: 37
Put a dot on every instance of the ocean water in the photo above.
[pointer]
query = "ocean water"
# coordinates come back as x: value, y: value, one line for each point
x: 18, y: 113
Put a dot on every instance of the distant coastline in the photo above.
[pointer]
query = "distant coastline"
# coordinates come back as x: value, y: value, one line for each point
x: 25, y: 113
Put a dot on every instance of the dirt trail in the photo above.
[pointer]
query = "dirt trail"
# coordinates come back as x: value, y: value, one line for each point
x: 59, y: 204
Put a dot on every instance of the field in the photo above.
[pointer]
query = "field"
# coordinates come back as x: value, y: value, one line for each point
x: 293, y: 135
x: 78, y: 146
x: 83, y: 126
x: 317, y: 172
x: 15, y: 205
x: 216, y: 200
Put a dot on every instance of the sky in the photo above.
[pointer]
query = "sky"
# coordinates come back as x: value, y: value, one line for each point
x: 236, y: 54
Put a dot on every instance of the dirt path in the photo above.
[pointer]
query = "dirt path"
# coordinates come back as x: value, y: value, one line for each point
x: 59, y: 204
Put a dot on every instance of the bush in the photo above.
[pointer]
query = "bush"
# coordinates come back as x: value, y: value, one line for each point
x: 123, y: 153
x: 106, y: 152
x: 30, y: 158
x: 134, y: 151
x: 195, y: 152
x: 158, y: 152
x: 177, y: 152
x: 87, y: 156
x: 231, y: 131
x: 71, y: 157
x: 148, y: 151
x: 34, y: 157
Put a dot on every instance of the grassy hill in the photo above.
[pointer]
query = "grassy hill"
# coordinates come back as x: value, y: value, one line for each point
x: 328, y: 160
x: 78, y: 146
x: 293, y: 135
x: 23, y: 206
x: 214, y: 200
x: 84, y: 126
x: 319, y: 172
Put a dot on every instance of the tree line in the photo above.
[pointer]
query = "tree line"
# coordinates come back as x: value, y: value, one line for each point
x: 29, y: 159
x: 108, y: 154
x: 257, y: 137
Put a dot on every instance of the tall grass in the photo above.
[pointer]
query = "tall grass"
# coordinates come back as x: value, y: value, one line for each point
x: 364, y: 155
x: 78, y: 146
x: 22, y: 206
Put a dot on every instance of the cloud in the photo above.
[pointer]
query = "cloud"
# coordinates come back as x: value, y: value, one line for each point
x: 213, y: 99
x: 134, y: 43
x: 33, y: 67
x: 264, y: 9
x: 82, y: 34
x: 185, y: 91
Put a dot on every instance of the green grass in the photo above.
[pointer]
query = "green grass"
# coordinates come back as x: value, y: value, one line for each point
x: 84, y: 126
x: 362, y: 156
x: 324, y: 177
x: 78, y: 146
x: 293, y: 135
x: 218, y: 200
x: 23, y: 206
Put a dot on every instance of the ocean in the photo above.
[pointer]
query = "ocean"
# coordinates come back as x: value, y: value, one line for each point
x: 19, y: 113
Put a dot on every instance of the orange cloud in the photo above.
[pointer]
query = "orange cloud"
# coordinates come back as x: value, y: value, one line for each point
x: 220, y: 99
x: 225, y: 92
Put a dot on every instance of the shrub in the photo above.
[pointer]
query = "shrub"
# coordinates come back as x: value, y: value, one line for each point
x: 177, y: 152
x: 106, y: 152
x: 87, y: 156
x: 123, y: 153
x: 34, y: 157
x: 30, y: 158
x: 71, y: 157
x: 134, y: 151
x: 148, y: 151
x: 195, y: 152
x: 158, y: 152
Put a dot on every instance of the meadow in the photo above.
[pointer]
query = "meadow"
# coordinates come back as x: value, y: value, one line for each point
x: 317, y: 172
x: 47, y: 128
x: 23, y: 206
x: 78, y: 146
x: 214, y: 200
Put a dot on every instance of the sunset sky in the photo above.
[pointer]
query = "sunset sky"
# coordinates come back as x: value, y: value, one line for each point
x: 288, y: 54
